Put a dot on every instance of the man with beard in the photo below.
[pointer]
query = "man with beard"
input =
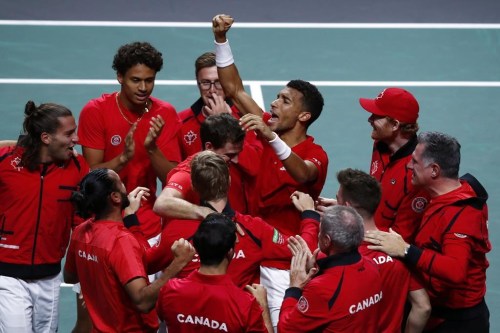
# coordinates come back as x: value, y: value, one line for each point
x: 36, y: 217
x: 109, y: 262
x: 394, y: 114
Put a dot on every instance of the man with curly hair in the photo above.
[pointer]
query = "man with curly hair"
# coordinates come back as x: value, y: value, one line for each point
x: 132, y: 132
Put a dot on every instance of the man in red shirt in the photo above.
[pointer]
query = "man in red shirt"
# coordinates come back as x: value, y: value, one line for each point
x: 36, y: 180
x: 132, y: 132
x: 346, y: 293
x: 207, y: 300
x: 362, y: 192
x: 213, y: 101
x: 223, y: 135
x: 290, y: 161
x: 210, y: 179
x: 394, y: 114
x: 449, y: 252
x: 108, y: 261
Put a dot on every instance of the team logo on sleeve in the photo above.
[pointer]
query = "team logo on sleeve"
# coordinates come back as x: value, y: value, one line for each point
x: 116, y: 140
x: 15, y: 164
x: 278, y: 237
x: 190, y: 137
x: 460, y: 235
x: 418, y: 204
x: 302, y: 304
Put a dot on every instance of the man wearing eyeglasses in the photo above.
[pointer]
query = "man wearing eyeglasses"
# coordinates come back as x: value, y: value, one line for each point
x: 213, y: 101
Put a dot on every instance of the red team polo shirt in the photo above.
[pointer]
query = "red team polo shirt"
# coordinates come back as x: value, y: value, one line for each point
x: 106, y: 256
x: 101, y: 126
x: 208, y: 303
x: 397, y: 282
x: 401, y: 205
x: 343, y: 297
x: 453, y: 241
x: 273, y: 187
x: 261, y: 241
x: 242, y: 172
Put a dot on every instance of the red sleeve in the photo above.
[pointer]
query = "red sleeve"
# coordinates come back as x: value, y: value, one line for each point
x: 159, y: 255
x: 168, y: 141
x: 274, y: 243
x: 451, y: 264
x: 126, y: 259
x: 414, y: 284
x: 180, y: 181
x: 252, y: 151
x: 255, y: 320
x: 91, y: 132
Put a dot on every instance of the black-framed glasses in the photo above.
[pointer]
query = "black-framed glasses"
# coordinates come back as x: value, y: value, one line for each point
x: 206, y: 84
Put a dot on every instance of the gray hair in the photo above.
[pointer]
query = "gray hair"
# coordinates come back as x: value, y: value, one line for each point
x: 344, y: 226
x: 442, y: 149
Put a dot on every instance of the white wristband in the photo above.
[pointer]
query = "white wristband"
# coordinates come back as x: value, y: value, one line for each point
x: 223, y: 54
x: 280, y: 147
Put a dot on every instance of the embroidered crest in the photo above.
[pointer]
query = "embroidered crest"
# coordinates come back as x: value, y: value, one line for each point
x: 15, y: 164
x: 302, y: 304
x: 393, y: 181
x: 460, y: 235
x: 116, y: 140
x: 190, y: 137
x: 374, y: 168
x: 418, y: 204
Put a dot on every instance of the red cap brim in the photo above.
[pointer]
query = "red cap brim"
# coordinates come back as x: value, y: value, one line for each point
x: 370, y: 106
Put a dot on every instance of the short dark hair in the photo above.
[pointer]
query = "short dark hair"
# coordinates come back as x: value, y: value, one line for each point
x: 361, y: 190
x: 206, y: 60
x: 221, y: 129
x: 38, y: 120
x: 210, y: 175
x: 442, y: 149
x: 91, y: 199
x: 215, y: 236
x: 132, y: 54
x: 312, y: 99
x: 344, y: 226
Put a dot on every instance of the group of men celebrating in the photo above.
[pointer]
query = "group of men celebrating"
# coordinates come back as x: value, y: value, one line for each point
x: 240, y: 236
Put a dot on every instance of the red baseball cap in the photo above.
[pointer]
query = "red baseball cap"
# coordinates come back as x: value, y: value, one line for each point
x: 396, y: 103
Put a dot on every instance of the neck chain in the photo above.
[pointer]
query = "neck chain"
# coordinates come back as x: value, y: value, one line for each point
x: 146, y: 110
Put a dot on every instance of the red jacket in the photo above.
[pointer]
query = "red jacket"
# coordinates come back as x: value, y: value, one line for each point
x: 451, y: 245
x: 401, y: 205
x: 36, y: 215
x: 344, y: 296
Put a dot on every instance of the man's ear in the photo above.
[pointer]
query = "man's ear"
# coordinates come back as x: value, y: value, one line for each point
x: 325, y: 241
x: 119, y: 78
x: 230, y: 254
x: 304, y: 116
x: 45, y: 137
x: 116, y: 197
x: 209, y: 146
x: 436, y: 170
